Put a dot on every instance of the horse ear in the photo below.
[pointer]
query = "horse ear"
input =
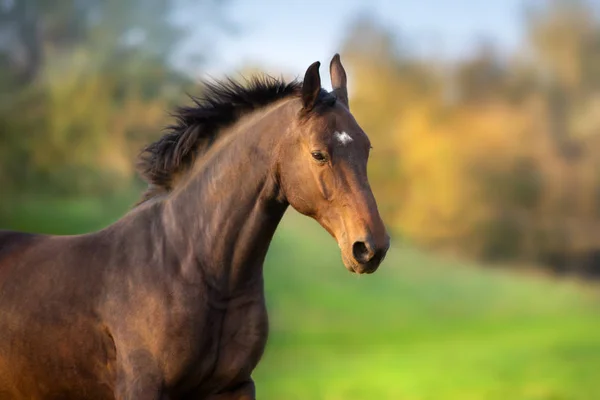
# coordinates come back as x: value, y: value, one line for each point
x: 311, y: 86
x: 338, y: 79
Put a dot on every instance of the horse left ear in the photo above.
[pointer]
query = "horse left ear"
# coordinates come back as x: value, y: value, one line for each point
x: 338, y: 79
x: 311, y: 87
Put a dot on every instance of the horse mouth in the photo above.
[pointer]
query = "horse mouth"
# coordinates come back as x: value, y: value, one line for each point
x: 360, y: 269
x: 365, y: 269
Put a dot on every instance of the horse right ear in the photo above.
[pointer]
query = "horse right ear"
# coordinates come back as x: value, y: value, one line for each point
x: 311, y: 87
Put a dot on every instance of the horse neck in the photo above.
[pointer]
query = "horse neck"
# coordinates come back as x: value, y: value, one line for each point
x: 226, y: 214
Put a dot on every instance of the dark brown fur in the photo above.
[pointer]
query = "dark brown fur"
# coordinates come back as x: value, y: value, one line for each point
x: 168, y: 302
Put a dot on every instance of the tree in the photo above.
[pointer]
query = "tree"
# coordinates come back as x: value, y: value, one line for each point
x: 88, y: 82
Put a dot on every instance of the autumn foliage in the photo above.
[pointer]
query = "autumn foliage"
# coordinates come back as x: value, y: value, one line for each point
x: 493, y: 156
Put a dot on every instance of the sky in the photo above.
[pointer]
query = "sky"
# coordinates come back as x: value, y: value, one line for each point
x: 287, y: 36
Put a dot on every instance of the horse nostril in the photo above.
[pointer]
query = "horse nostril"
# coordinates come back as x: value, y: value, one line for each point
x: 362, y: 252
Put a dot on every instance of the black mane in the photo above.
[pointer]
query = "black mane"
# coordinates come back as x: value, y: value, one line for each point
x: 197, y: 127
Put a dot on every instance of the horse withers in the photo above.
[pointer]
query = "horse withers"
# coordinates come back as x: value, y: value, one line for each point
x: 168, y: 302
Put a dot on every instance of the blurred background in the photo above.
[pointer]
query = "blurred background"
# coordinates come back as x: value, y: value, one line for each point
x: 485, y: 123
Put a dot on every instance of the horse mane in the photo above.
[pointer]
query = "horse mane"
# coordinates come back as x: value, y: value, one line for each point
x: 197, y: 127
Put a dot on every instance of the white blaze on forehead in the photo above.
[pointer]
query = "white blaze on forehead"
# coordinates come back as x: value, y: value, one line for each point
x: 343, y: 138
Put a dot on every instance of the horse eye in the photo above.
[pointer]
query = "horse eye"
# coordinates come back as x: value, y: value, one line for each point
x: 319, y: 156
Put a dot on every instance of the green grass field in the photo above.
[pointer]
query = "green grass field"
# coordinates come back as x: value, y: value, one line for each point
x: 422, y: 327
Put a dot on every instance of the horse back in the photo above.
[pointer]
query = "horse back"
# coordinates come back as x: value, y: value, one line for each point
x: 54, y: 345
x: 13, y: 245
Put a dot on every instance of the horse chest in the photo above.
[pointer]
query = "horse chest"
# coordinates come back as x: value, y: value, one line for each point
x: 243, y: 338
x: 229, y: 346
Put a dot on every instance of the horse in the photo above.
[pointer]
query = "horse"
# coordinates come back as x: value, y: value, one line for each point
x: 168, y: 302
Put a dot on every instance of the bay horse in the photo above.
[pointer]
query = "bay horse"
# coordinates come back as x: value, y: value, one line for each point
x: 168, y: 302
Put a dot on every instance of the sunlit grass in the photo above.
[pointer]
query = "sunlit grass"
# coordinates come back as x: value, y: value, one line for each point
x: 64, y: 216
x: 422, y: 327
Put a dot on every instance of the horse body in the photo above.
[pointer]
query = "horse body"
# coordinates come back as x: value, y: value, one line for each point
x: 149, y: 318
x: 183, y: 306
x: 168, y: 302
